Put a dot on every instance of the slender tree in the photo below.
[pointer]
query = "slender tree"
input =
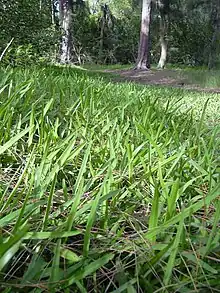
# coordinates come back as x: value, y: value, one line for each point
x: 106, y: 23
x: 52, y: 12
x: 102, y: 28
x: 163, y: 6
x: 215, y: 41
x: 65, y: 10
x: 143, y: 61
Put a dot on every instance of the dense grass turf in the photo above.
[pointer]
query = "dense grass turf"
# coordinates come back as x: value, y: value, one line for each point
x: 106, y: 187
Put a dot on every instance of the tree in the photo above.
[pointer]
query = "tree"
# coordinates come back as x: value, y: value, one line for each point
x: 106, y: 20
x: 143, y: 61
x: 65, y: 10
x: 215, y: 41
x: 52, y: 12
x: 163, y: 6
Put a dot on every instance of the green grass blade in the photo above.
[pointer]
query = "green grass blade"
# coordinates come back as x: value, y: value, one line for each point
x: 214, y: 229
x: 13, y: 140
x: 78, y: 189
x: 55, y: 264
x: 49, y: 203
x: 173, y: 253
x: 185, y: 213
x: 154, y: 215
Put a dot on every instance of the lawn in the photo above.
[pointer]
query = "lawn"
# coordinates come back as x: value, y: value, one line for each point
x: 105, y: 186
x: 198, y: 75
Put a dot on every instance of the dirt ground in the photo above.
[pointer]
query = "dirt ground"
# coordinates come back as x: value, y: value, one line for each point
x: 166, y: 77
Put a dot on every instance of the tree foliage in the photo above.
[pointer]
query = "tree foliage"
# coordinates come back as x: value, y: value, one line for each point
x: 107, y: 31
x: 29, y: 24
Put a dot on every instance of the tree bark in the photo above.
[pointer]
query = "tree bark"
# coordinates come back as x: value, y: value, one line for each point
x: 215, y: 22
x: 164, y: 8
x: 102, y: 28
x: 143, y: 61
x: 66, y: 46
x: 163, y: 40
x: 52, y: 12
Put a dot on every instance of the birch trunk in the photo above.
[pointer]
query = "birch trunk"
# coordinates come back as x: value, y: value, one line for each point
x: 52, y: 13
x: 163, y: 40
x: 65, y: 8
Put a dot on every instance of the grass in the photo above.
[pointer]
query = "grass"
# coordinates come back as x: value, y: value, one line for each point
x: 204, y: 78
x: 106, y: 187
x: 109, y: 67
x: 200, y: 76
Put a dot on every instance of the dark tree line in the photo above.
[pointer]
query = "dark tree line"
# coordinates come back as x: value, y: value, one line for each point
x: 110, y: 31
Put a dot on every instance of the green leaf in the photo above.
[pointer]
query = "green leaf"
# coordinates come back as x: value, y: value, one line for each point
x: 13, y: 215
x: 49, y: 203
x: 36, y: 265
x: 11, y: 246
x: 91, y: 268
x: 191, y: 257
x: 56, y: 263
x: 51, y: 235
x: 78, y: 189
x: 173, y: 253
x: 154, y: 215
x: 185, y: 213
x: 214, y: 229
x: 69, y: 255
x: 126, y: 286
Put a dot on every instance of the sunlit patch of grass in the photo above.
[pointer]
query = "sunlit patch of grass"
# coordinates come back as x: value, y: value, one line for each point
x: 106, y: 187
x: 107, y: 67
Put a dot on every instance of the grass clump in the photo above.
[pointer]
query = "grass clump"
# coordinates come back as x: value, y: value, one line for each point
x: 104, y: 187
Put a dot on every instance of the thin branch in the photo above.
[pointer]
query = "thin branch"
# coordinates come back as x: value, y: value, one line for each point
x: 6, y: 48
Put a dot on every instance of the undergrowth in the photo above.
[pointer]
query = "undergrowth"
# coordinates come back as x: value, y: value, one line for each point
x: 105, y: 187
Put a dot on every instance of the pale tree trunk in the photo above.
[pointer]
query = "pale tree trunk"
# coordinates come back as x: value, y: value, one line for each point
x: 215, y: 46
x: 65, y: 10
x: 102, y: 22
x: 52, y: 12
x: 163, y: 7
x: 143, y: 61
x: 163, y: 41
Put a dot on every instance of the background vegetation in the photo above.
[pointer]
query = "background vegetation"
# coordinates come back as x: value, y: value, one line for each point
x: 106, y: 31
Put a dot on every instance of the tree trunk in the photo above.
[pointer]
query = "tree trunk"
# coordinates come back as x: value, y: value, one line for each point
x: 214, y: 46
x: 65, y: 8
x: 102, y: 28
x: 143, y: 61
x: 163, y: 40
x: 52, y: 13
